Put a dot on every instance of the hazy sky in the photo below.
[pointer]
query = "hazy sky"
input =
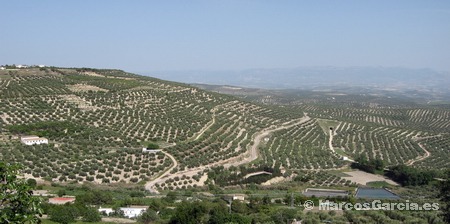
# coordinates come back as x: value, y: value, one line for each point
x: 216, y: 35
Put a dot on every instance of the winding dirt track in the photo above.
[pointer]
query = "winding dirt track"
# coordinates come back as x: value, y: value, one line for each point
x: 248, y: 157
x: 150, y: 184
x: 330, y: 145
x: 427, y: 153
x: 420, y: 158
x: 209, y: 125
x: 252, y: 155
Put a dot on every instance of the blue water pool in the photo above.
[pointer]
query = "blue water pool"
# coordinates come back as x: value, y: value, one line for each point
x: 375, y: 193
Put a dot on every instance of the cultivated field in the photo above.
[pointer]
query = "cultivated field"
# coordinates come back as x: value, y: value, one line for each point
x: 97, y: 122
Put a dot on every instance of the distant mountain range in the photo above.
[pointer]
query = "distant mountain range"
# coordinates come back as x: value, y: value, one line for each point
x: 316, y: 77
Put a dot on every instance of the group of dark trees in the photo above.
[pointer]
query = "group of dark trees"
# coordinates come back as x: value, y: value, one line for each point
x: 405, y: 175
x: 95, y: 197
x: 370, y: 166
x: 206, y: 212
x: 69, y: 213
x: 257, y: 210
x: 152, y: 146
x: 46, y: 128
x: 235, y: 175
x: 410, y: 176
x: 63, y: 130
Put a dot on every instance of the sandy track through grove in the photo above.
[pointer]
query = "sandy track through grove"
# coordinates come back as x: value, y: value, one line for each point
x: 420, y: 158
x: 330, y: 142
x: 151, y: 183
x: 248, y: 157
x: 330, y: 145
x: 253, y: 153
x: 208, y: 126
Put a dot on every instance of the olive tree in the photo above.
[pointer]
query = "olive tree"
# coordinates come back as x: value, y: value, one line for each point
x: 17, y: 203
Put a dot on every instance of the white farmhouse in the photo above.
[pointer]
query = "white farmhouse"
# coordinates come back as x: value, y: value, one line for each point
x: 239, y: 197
x: 235, y: 197
x: 133, y: 211
x: 33, y: 140
x: 2, y: 68
x: 151, y: 150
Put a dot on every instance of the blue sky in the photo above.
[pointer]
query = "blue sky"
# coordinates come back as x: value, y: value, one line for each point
x: 225, y: 35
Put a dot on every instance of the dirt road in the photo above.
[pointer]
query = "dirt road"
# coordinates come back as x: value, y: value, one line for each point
x: 149, y: 185
x: 420, y: 158
x: 248, y: 157
x: 330, y: 142
x: 209, y: 125
x: 252, y: 155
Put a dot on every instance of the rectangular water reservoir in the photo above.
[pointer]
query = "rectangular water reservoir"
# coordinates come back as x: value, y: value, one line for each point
x: 375, y: 193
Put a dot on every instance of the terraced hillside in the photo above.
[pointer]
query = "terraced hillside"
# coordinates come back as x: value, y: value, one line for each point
x: 97, y: 122
x: 397, y: 130
x: 397, y: 135
x: 303, y: 146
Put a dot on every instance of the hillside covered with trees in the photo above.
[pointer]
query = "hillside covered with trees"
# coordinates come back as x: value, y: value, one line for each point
x: 98, y: 121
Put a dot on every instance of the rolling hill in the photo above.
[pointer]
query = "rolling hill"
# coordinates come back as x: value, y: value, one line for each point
x: 98, y: 120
